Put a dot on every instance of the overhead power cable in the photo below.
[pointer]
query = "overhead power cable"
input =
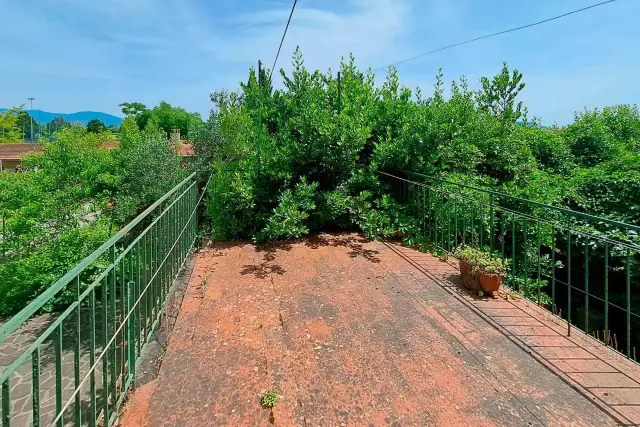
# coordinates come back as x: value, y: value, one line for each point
x: 283, y: 35
x: 496, y: 34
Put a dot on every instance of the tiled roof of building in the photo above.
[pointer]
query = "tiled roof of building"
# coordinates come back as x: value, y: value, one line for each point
x: 17, y: 151
x: 185, y: 149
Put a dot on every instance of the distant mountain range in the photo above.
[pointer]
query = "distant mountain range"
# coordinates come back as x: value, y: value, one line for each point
x: 83, y: 117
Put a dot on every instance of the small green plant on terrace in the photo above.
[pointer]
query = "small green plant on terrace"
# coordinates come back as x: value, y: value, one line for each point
x: 480, y: 260
x: 269, y: 398
x: 532, y: 289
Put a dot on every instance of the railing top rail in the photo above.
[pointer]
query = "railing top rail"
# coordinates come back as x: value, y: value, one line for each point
x: 16, y: 321
x: 520, y: 199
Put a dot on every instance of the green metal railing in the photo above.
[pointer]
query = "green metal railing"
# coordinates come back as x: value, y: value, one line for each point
x: 80, y: 363
x: 583, y: 268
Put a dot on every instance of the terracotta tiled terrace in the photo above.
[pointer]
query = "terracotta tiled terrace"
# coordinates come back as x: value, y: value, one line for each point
x: 358, y: 333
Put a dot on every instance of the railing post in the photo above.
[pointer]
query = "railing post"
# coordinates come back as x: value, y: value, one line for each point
x: 492, y: 226
x: 6, y: 403
x: 76, y: 357
x: 607, y: 334
x: 586, y: 287
x: 131, y: 345
x: 628, y: 300
x: 569, y: 277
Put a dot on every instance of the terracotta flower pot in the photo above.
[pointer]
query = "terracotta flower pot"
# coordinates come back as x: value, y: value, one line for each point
x: 490, y: 282
x: 469, y: 280
x: 465, y: 272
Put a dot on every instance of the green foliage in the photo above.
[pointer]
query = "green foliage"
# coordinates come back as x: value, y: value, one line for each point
x: 548, y: 147
x: 532, y: 289
x: 285, y: 162
x: 10, y: 130
x: 481, y: 261
x: 591, y: 140
x: 337, y: 135
x: 96, y: 126
x: 164, y: 116
x: 269, y: 398
x: 288, y: 218
x: 498, y: 96
x: 149, y: 167
x: 133, y: 108
x: 611, y: 189
x: 69, y: 200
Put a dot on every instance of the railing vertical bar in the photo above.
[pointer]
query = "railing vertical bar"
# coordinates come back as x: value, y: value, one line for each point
x: 113, y: 328
x: 502, y: 234
x: 464, y: 224
x: 447, y: 208
x: 435, y: 223
x: 57, y: 344
x: 569, y: 277
x: 122, y: 334
x: 525, y: 252
x: 628, y: 300
x: 554, y: 308
x: 35, y: 386
x: 607, y: 334
x: 174, y: 226
x: 138, y: 309
x: 492, y: 215
x: 105, y: 359
x: 131, y: 332
x: 165, y: 253
x: 538, y: 284
x: 473, y: 225
x: 6, y: 403
x: 161, y: 265
x: 586, y: 287
x: 442, y: 233
x: 481, y: 213
x: 513, y: 246
x: 147, y: 293
x: 424, y: 214
x: 155, y: 256
x: 92, y: 361
x: 76, y: 356
x: 455, y: 219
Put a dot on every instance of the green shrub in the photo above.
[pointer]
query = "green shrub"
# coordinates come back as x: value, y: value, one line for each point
x: 481, y: 261
x: 269, y: 398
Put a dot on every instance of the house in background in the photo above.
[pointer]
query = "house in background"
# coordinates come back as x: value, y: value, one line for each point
x: 11, y: 154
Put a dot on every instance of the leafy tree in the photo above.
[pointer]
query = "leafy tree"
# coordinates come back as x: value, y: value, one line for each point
x: 133, y: 108
x: 498, y: 96
x: 591, y: 140
x: 548, y: 146
x: 166, y: 116
x: 24, y: 123
x: 148, y: 168
x: 169, y: 118
x: 610, y: 189
x: 57, y: 124
x: 9, y: 126
x: 96, y: 126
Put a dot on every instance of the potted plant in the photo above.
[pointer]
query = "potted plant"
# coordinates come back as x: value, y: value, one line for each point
x: 467, y: 256
x: 491, y: 273
x: 480, y: 270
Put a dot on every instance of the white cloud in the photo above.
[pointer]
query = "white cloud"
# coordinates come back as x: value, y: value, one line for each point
x: 369, y: 30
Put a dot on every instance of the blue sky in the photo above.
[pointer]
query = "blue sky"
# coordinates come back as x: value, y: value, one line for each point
x: 76, y: 55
